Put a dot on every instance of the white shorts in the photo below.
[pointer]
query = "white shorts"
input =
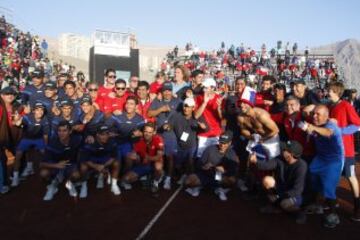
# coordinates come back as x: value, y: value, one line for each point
x: 272, y: 146
x: 204, y: 142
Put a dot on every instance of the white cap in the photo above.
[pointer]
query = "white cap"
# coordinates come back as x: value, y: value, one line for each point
x: 189, y: 102
x: 209, y: 82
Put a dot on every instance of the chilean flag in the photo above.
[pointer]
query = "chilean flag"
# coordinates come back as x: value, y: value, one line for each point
x: 248, y: 96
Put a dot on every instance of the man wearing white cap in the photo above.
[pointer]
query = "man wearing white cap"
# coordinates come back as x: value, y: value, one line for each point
x: 209, y: 106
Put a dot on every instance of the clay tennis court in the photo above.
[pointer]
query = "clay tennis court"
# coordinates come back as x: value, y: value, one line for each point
x: 24, y: 215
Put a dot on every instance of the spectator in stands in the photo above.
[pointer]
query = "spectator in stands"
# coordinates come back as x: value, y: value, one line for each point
x: 133, y: 84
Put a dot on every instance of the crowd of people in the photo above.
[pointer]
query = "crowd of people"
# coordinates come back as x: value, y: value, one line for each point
x: 268, y: 135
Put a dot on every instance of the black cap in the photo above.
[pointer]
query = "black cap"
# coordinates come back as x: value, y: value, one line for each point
x: 226, y: 137
x: 66, y: 102
x: 50, y: 85
x: 37, y: 73
x: 167, y: 86
x: 293, y: 147
x: 86, y: 99
x: 39, y: 105
x: 300, y: 81
x: 8, y: 91
x: 102, y: 129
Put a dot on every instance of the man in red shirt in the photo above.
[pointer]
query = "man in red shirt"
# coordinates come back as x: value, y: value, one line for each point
x: 146, y: 157
x: 349, y: 123
x: 264, y: 98
x: 115, y: 105
x: 109, y: 83
x: 142, y: 92
x: 209, y: 106
x: 155, y: 87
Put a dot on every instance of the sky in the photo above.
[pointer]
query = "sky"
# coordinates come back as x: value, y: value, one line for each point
x: 205, y: 23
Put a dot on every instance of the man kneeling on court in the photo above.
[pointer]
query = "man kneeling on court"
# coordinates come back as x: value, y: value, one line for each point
x: 286, y: 187
x: 101, y: 157
x: 61, y: 161
x: 146, y: 158
x: 217, y: 168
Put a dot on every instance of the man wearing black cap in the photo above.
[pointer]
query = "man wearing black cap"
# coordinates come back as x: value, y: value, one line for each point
x: 35, y: 135
x: 286, y: 188
x: 163, y: 109
x: 101, y: 157
x: 35, y: 91
x: 307, y: 97
x: 50, y: 99
x: 217, y: 168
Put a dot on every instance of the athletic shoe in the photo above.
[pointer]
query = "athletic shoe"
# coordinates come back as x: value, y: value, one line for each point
x: 109, y: 179
x: 83, y: 190
x: 195, y: 191
x: 125, y: 185
x: 50, y: 193
x: 100, y: 182
x: 155, y: 186
x: 167, y: 183
x: 4, y: 190
x: 15, y: 182
x: 221, y: 193
x: 331, y: 220
x: 314, y: 209
x: 241, y: 185
x: 72, y: 190
x: 27, y: 172
x: 181, y: 179
x: 115, y: 189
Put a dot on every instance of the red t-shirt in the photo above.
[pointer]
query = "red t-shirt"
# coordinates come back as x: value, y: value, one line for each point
x: 143, y: 149
x: 211, y: 116
x: 346, y: 115
x: 260, y: 97
x: 142, y: 109
x: 155, y: 87
x: 117, y: 103
x: 104, y: 92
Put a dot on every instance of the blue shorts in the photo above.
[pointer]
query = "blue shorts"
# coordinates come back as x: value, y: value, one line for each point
x: 123, y: 150
x: 66, y: 172
x: 142, y: 170
x: 99, y: 160
x: 349, y: 167
x: 185, y: 155
x: 26, y: 144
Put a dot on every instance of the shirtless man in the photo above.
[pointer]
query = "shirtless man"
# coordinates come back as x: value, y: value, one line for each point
x: 257, y: 126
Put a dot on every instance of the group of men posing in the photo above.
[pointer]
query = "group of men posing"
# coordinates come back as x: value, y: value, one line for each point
x: 289, y: 143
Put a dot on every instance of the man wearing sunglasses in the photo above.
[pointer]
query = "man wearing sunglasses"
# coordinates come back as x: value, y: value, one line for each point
x: 116, y: 105
x: 109, y: 83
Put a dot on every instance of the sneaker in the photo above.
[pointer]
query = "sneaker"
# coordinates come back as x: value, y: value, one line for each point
x: 100, y: 182
x: 109, y: 179
x: 167, y: 183
x: 71, y: 188
x: 15, y: 182
x: 270, y: 209
x: 27, y: 172
x: 331, y: 220
x: 195, y: 192
x: 115, y: 189
x: 314, y: 209
x: 155, y: 186
x: 221, y: 193
x: 4, y: 190
x: 181, y: 179
x: 83, y: 190
x: 50, y: 193
x: 126, y: 186
x: 356, y: 216
x: 242, y: 186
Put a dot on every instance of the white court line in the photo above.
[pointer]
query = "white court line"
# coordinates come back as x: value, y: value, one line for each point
x: 157, y: 216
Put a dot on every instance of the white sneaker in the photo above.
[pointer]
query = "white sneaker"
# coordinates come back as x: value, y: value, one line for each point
x: 167, y: 183
x: 221, y: 193
x: 100, y: 182
x: 27, y: 172
x: 15, y: 181
x: 181, y: 180
x: 126, y: 186
x: 4, y: 190
x: 72, y: 190
x: 50, y: 193
x: 115, y: 189
x: 109, y: 179
x: 195, y: 192
x: 83, y: 190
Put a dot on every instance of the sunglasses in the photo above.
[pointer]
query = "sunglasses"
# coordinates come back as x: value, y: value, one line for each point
x: 112, y: 76
x: 93, y: 89
x: 120, y: 88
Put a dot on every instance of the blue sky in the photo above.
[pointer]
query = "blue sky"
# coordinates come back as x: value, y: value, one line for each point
x: 205, y: 23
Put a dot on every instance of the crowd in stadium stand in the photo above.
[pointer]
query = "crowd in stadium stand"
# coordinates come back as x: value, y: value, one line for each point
x: 273, y: 124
